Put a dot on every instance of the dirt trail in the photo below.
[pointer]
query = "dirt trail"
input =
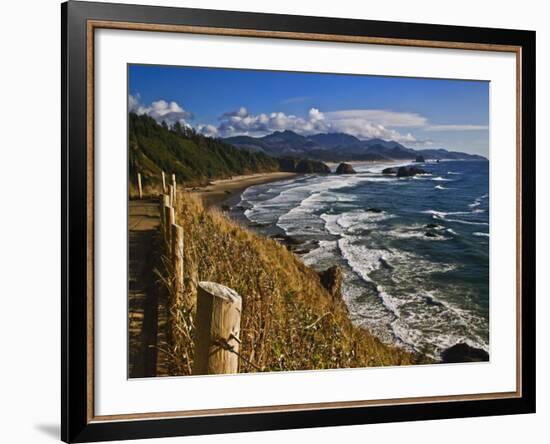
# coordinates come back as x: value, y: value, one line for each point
x: 146, y: 303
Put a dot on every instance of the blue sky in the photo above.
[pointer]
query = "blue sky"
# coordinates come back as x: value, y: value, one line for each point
x: 420, y: 113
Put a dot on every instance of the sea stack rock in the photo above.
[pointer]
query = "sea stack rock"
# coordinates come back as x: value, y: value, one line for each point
x: 420, y: 159
x: 415, y: 170
x: 409, y: 171
x: 389, y: 171
x: 463, y: 353
x: 345, y: 168
x: 332, y: 279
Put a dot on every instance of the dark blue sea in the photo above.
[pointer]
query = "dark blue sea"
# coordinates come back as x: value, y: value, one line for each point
x: 414, y: 251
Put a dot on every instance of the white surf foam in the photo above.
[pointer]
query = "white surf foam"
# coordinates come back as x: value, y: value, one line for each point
x: 466, y: 222
x: 443, y: 214
x: 480, y: 234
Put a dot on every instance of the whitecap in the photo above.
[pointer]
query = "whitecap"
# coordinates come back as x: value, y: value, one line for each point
x: 443, y: 214
x: 477, y: 233
x: 477, y: 201
x: 467, y: 222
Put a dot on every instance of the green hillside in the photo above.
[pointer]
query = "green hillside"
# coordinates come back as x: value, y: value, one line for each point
x: 193, y: 158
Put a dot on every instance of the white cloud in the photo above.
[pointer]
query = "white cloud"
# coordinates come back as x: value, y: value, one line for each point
x: 457, y: 127
x: 364, y: 124
x: 160, y: 110
x: 380, y: 117
x: 364, y: 129
x: 207, y: 130
x: 375, y: 123
x: 241, y: 122
x: 361, y: 123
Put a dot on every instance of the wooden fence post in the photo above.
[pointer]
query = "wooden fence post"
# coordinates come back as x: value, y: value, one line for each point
x: 175, y: 196
x: 163, y: 183
x: 139, y: 186
x: 164, y: 202
x: 177, y: 261
x: 169, y: 219
x: 218, y: 324
x: 171, y: 194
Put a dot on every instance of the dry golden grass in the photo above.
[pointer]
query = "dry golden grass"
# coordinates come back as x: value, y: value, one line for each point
x: 289, y: 321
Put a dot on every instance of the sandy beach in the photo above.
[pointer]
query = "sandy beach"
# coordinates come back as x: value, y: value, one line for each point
x: 219, y: 191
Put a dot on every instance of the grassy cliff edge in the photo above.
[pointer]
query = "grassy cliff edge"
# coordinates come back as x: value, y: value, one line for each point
x: 289, y: 321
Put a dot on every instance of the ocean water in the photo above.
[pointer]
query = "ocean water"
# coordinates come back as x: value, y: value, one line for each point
x: 424, y: 293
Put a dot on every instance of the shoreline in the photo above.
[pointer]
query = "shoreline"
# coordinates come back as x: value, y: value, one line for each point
x: 217, y: 192
x: 452, y: 352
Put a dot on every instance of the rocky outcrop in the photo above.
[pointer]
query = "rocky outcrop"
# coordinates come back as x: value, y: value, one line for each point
x: 463, y: 353
x: 332, y: 279
x: 420, y: 159
x: 409, y: 171
x: 287, y: 240
x: 345, y: 168
x: 305, y: 166
x: 389, y: 171
x: 312, y: 166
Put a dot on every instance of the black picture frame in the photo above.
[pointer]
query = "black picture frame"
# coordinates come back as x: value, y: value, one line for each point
x: 76, y: 423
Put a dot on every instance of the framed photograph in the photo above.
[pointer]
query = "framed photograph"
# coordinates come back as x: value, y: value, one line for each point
x: 275, y: 221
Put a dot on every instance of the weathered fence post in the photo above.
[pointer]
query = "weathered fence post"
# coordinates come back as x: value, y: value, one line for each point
x: 163, y: 183
x: 171, y: 194
x: 177, y: 260
x: 164, y: 202
x: 139, y: 186
x: 218, y: 325
x: 175, y: 190
x: 169, y: 219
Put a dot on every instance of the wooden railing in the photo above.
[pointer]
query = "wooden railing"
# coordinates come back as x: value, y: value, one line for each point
x: 218, y: 316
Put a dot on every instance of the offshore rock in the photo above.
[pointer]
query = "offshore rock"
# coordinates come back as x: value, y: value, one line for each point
x: 345, y: 168
x: 463, y: 353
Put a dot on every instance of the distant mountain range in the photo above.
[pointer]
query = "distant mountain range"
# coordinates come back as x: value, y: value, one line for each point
x: 338, y: 147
